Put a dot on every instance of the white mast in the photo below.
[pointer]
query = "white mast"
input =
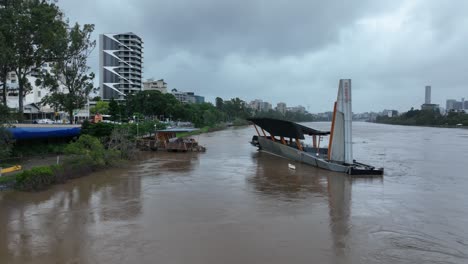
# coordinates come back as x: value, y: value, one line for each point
x: 341, y: 143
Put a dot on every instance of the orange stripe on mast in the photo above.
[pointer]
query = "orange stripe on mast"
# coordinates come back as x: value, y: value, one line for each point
x: 332, y: 130
x: 272, y: 137
x: 298, y: 143
x: 257, y: 130
x: 282, y: 141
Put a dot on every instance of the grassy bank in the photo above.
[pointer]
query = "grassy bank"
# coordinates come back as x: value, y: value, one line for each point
x: 84, y: 156
x: 40, y: 178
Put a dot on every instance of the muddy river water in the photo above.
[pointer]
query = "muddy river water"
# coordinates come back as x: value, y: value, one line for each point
x: 233, y: 204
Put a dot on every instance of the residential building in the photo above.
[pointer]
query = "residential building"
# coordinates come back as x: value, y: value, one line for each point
x: 32, y: 100
x: 152, y: 85
x: 266, y: 106
x: 450, y: 104
x: 199, y: 99
x: 390, y: 113
x: 256, y: 104
x: 281, y: 107
x: 299, y: 109
x: 121, y: 64
x: 453, y: 105
x: 259, y: 105
x: 187, y: 97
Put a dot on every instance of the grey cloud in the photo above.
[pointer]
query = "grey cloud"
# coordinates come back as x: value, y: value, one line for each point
x: 295, y: 51
x: 275, y: 28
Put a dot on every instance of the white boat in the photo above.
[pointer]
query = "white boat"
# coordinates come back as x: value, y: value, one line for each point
x: 285, y: 137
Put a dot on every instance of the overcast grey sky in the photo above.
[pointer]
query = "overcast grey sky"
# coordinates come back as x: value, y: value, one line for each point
x: 295, y: 51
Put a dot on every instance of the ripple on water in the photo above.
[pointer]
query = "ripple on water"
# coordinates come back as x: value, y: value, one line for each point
x: 418, y: 247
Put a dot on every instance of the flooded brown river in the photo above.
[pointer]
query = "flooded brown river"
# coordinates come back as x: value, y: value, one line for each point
x: 233, y: 204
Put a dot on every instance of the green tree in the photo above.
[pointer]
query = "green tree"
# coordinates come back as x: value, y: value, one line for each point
x: 236, y: 108
x: 69, y: 81
x: 114, y: 110
x: 38, y: 30
x: 179, y: 112
x: 101, y: 107
x: 89, y: 148
x: 152, y: 103
x: 219, y: 103
x: 6, y: 46
x: 6, y: 139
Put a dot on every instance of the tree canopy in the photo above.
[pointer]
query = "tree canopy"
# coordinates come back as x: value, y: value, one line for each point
x: 101, y: 107
x: 38, y: 30
x: 69, y: 81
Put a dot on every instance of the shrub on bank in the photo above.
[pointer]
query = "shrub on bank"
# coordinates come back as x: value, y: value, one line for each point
x: 89, y: 148
x: 85, y: 155
x: 100, y: 130
x: 35, y: 179
x: 40, y: 178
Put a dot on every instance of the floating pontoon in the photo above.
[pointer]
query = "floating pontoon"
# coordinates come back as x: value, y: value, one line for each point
x: 285, y: 137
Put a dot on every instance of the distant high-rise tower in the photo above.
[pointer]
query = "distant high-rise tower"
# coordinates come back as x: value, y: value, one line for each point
x: 121, y: 59
x: 428, y: 95
x: 450, y: 105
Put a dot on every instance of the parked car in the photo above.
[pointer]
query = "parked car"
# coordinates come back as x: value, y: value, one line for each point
x: 43, y: 121
x: 61, y: 121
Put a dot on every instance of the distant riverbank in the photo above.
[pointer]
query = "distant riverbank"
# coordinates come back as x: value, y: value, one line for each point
x: 426, y: 118
x: 216, y: 127
x: 417, y: 125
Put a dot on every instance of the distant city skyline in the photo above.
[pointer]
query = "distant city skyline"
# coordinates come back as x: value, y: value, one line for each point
x: 295, y: 53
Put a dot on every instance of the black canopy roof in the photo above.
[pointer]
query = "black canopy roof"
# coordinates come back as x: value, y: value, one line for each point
x: 283, y: 128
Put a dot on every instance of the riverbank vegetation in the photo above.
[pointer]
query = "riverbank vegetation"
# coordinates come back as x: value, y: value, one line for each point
x: 6, y: 139
x: 426, y: 118
x: 168, y: 107
x: 103, y: 131
x: 83, y: 156
x: 154, y: 105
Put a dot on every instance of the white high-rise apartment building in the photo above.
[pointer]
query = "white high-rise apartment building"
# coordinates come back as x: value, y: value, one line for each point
x: 121, y: 64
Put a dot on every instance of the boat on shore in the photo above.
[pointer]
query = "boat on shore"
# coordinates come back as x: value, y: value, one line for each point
x: 285, y: 137
x: 167, y: 140
x: 10, y: 169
